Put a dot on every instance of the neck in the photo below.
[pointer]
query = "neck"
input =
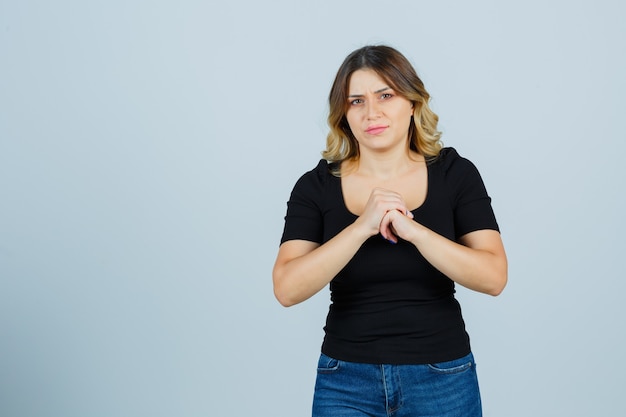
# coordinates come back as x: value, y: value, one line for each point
x: 388, y: 164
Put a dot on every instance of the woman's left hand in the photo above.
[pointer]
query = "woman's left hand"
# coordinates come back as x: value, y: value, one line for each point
x: 396, y: 224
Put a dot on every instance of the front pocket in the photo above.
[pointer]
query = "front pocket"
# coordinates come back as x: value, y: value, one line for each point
x: 326, y: 364
x: 452, y: 367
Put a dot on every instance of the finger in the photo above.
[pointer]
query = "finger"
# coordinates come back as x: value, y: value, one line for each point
x: 383, y: 227
x: 386, y: 228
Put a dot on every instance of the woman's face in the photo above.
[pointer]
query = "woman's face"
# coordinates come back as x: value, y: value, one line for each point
x: 378, y: 117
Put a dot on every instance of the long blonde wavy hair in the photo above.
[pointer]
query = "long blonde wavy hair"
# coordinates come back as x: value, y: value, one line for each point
x: 395, y: 69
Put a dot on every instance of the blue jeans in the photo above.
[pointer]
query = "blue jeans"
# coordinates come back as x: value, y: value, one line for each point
x: 348, y: 389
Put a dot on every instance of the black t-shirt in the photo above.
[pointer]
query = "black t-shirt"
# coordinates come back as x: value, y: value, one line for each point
x: 389, y: 305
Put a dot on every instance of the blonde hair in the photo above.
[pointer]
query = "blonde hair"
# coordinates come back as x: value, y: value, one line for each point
x: 395, y: 69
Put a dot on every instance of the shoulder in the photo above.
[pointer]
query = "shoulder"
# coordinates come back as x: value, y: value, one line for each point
x: 452, y: 163
x: 314, y: 179
x: 319, y: 174
x: 459, y: 174
x: 449, y: 159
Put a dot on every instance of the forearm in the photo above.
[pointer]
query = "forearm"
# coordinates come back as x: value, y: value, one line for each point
x: 300, y: 278
x: 482, y: 269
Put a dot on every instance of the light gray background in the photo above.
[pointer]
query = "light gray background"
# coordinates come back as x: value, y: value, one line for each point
x: 147, y: 149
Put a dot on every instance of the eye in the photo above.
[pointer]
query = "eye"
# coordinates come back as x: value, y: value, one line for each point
x: 356, y: 102
x: 386, y: 96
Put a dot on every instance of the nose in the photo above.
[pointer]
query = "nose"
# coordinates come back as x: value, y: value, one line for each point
x: 373, y: 109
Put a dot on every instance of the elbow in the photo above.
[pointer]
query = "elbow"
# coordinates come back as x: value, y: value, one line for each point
x: 495, y: 291
x: 283, y: 299
x: 498, y: 284
x: 281, y: 293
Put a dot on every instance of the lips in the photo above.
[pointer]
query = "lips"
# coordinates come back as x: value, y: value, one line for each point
x: 376, y: 130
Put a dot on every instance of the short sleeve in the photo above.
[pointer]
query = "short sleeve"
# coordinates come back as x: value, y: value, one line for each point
x: 470, y: 201
x: 304, y: 218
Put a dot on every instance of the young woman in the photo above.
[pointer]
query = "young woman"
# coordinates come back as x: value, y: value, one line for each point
x: 392, y: 220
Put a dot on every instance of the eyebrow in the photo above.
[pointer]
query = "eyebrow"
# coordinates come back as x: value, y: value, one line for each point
x: 375, y: 92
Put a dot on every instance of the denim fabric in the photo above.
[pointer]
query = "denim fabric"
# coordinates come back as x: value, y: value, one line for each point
x: 348, y: 389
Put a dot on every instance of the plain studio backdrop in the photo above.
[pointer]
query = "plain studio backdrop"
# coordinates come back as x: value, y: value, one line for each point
x: 148, y: 148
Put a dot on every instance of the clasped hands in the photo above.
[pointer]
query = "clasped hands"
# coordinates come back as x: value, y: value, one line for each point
x: 386, y: 213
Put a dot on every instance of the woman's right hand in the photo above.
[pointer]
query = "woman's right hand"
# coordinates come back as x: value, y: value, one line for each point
x: 303, y: 268
x: 380, y: 202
